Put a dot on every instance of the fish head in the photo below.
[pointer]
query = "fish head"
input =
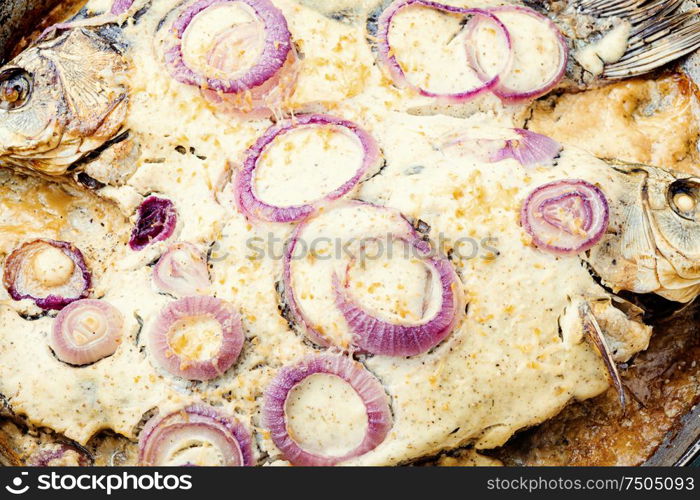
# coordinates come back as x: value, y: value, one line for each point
x: 653, y: 242
x: 60, y: 99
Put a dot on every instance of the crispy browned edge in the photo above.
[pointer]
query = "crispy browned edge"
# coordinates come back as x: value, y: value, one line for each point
x: 664, y: 382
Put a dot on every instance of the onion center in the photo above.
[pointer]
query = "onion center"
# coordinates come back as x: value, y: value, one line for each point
x: 325, y: 415
x: 52, y: 267
x: 570, y: 213
x: 196, y: 338
x: 429, y: 47
x: 195, y: 450
x: 224, y: 40
x: 325, y: 157
x: 89, y: 327
x: 396, y: 288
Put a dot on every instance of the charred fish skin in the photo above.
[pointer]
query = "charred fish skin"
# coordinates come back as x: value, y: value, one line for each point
x: 54, y: 109
x: 653, y: 243
x: 16, y: 17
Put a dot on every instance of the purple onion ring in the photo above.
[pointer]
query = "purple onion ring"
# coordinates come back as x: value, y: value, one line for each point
x: 392, y: 64
x: 14, y: 275
x: 500, y: 89
x: 368, y: 388
x: 161, y: 435
x: 232, y: 337
x: 584, y: 206
x: 371, y: 334
x: 377, y: 336
x: 252, y: 206
x: 276, y: 48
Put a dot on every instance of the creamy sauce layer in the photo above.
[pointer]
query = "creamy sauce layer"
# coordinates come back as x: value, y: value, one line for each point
x: 504, y: 367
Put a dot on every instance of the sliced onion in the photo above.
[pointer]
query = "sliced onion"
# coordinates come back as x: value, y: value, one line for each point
x: 377, y: 336
x: 51, y: 273
x: 565, y: 217
x: 181, y: 340
x: 256, y: 103
x: 253, y: 84
x: 529, y: 148
x: 86, y: 331
x: 389, y: 60
x: 368, y: 332
x: 508, y: 88
x: 156, y: 221
x: 182, y: 271
x: 119, y: 7
x: 60, y: 455
x: 253, y: 206
x: 368, y: 388
x: 187, y: 436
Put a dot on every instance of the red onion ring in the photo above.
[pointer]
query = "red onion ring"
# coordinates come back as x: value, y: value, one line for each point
x: 391, y: 63
x: 160, y: 437
x: 377, y: 336
x: 86, y: 331
x: 182, y: 271
x: 256, y: 103
x: 368, y: 388
x: 501, y: 89
x: 565, y: 217
x: 20, y: 282
x: 254, y: 207
x: 156, y: 221
x: 189, y: 308
x: 275, y: 52
x: 370, y: 333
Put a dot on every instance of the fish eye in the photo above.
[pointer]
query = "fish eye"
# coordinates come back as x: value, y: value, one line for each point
x: 15, y: 88
x: 684, y: 198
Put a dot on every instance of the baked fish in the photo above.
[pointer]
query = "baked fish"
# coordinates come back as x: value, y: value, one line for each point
x: 333, y: 239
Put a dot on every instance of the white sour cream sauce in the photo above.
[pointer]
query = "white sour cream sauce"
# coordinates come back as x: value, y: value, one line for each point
x: 503, y: 368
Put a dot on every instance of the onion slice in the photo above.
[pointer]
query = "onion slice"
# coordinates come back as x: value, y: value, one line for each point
x: 197, y: 431
x: 60, y: 455
x: 182, y: 271
x: 389, y: 60
x: 51, y: 273
x: 510, y: 87
x: 377, y: 336
x: 251, y: 84
x: 368, y: 388
x: 156, y: 221
x: 565, y: 217
x: 86, y: 331
x: 183, y: 343
x: 368, y: 332
x: 254, y: 207
x: 530, y: 149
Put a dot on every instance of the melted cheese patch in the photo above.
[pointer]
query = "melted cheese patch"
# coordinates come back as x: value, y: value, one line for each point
x: 392, y: 283
x: 325, y: 415
x: 429, y: 47
x: 196, y: 339
x: 504, y: 367
x: 244, y: 40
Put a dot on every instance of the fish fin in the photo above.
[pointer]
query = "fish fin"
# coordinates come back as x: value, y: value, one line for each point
x: 592, y: 328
